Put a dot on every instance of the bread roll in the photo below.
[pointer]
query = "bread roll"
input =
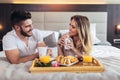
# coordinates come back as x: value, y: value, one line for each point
x: 66, y: 60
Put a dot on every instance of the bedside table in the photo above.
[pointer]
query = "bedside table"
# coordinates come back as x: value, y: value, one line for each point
x: 1, y: 45
x: 116, y: 43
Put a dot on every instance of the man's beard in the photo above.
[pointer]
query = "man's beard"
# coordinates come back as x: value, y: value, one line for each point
x: 25, y: 33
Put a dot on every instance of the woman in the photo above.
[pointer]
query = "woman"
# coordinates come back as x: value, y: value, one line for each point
x: 79, y: 38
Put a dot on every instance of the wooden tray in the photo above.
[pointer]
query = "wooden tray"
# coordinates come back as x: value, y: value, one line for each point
x: 95, y: 66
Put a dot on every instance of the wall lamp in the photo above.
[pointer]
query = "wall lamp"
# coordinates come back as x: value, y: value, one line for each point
x: 117, y: 29
x: 1, y: 27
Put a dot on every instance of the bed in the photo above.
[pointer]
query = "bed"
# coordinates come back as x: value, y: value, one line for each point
x: 58, y: 22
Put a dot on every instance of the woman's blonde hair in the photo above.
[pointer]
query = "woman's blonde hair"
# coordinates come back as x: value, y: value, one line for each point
x: 83, y: 29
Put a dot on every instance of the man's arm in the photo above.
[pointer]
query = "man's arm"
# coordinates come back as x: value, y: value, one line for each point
x: 14, y: 58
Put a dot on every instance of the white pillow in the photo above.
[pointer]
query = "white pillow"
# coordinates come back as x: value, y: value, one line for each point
x: 95, y: 40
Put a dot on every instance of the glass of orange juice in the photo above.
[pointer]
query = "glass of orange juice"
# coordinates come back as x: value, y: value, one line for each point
x: 87, y: 58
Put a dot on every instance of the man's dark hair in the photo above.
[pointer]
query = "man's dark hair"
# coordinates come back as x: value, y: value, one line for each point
x: 18, y: 15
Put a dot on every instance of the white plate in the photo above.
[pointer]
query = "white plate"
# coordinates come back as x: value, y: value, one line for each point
x: 68, y: 64
x: 51, y: 59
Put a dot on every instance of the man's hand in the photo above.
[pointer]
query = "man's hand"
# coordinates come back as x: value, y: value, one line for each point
x: 49, y: 52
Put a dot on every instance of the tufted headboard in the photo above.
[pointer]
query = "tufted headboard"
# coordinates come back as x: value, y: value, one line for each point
x: 60, y: 20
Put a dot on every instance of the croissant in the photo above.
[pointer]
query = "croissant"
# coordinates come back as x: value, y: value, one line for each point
x: 58, y: 59
x: 66, y: 60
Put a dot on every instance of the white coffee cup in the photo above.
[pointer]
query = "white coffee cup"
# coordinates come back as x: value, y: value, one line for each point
x: 42, y: 51
x: 54, y: 52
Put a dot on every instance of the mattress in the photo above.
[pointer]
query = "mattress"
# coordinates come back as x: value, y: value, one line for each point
x: 108, y: 56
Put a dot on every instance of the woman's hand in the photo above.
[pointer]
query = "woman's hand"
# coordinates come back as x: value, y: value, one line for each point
x: 61, y: 41
x: 71, y: 44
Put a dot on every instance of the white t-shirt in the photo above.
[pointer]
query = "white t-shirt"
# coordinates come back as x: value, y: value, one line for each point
x: 12, y: 41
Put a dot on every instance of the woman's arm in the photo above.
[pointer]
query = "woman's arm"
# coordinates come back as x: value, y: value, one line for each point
x: 60, y: 50
x: 77, y: 52
x: 74, y: 49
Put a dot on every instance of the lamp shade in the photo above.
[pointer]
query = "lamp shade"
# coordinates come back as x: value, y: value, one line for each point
x: 117, y: 29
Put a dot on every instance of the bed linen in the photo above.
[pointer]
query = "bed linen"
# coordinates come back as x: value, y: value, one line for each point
x: 109, y: 56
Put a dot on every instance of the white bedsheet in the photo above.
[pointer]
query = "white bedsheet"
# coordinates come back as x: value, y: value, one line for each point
x: 107, y: 55
x: 105, y: 51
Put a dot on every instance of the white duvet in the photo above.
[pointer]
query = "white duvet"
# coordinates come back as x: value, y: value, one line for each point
x: 107, y: 55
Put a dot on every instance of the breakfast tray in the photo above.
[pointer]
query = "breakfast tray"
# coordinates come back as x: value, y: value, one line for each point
x: 95, y: 66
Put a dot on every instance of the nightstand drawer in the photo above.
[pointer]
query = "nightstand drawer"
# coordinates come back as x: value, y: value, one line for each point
x: 116, y: 41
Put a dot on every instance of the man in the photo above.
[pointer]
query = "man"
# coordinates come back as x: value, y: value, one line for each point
x: 20, y: 44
